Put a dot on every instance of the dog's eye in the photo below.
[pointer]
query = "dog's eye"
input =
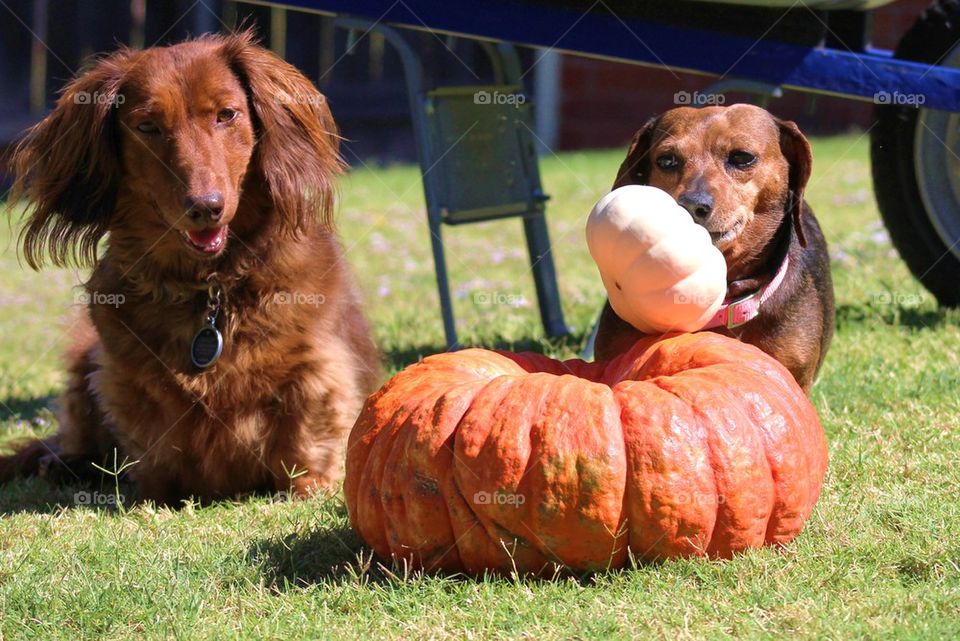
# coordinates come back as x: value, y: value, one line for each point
x: 148, y: 127
x: 741, y: 159
x: 668, y: 162
x: 226, y: 115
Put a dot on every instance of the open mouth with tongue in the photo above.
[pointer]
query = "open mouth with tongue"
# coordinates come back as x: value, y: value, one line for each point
x: 209, y: 241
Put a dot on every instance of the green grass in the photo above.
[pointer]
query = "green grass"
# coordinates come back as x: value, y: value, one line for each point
x: 880, y: 557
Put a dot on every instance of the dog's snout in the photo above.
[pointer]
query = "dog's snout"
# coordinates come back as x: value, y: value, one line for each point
x: 205, y: 207
x: 698, y: 203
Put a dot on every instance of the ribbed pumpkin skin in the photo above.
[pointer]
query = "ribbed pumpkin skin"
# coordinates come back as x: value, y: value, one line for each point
x: 687, y: 445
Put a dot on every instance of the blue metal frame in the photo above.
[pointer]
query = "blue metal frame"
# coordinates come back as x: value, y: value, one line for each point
x: 859, y: 75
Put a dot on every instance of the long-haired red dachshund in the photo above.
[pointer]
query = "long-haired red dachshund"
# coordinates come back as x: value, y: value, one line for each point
x: 227, y: 351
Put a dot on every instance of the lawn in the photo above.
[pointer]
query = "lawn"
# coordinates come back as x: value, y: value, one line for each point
x: 880, y: 557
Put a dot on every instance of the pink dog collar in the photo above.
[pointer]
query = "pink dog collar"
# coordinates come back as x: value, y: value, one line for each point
x: 734, y: 313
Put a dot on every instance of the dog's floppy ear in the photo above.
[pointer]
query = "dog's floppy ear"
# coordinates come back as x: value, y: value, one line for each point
x: 635, y: 168
x: 67, y: 168
x: 796, y: 149
x: 297, y: 141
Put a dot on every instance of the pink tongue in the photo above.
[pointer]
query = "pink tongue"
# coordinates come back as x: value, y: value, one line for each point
x: 206, y: 238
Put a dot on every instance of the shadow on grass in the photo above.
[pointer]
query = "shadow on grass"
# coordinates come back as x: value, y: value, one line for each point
x: 24, y: 409
x: 305, y: 559
x: 396, y: 358
x: 47, y: 484
x: 39, y: 496
x: 335, y: 554
x: 892, y: 315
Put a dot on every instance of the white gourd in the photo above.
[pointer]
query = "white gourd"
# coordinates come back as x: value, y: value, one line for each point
x: 660, y: 269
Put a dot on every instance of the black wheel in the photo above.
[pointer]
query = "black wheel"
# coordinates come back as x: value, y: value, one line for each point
x: 915, y: 154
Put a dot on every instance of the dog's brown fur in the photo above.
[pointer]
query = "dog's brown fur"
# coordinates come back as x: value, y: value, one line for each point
x: 159, y: 131
x: 762, y: 204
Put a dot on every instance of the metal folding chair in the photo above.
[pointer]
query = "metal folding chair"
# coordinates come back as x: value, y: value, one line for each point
x: 477, y: 157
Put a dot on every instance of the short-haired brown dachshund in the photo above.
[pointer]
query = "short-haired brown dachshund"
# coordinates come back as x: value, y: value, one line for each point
x: 224, y: 347
x: 741, y: 173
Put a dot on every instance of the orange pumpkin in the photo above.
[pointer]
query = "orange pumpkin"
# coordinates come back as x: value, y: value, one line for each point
x: 687, y: 445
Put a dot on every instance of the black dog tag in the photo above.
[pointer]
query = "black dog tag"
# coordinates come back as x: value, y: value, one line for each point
x: 206, y: 346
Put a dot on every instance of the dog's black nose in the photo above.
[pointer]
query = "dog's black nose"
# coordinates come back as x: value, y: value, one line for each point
x: 698, y: 203
x: 208, y: 205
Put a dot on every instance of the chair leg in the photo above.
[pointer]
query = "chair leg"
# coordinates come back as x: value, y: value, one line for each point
x: 443, y: 286
x: 544, y: 275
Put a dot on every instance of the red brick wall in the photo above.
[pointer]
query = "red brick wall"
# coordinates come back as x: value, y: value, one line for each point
x: 603, y: 103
